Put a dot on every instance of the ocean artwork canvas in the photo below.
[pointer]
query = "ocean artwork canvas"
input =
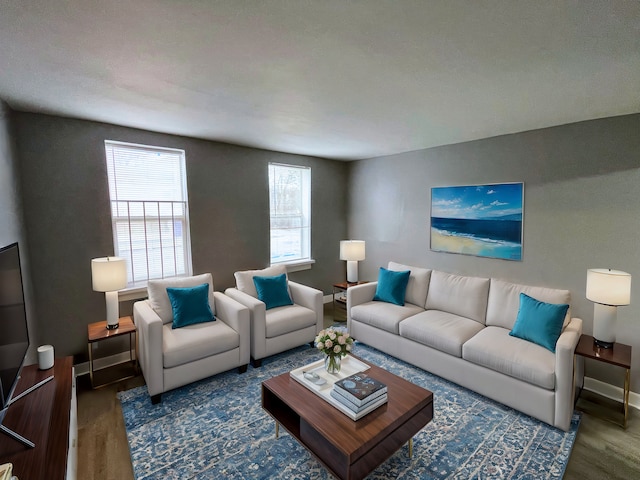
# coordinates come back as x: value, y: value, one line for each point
x: 481, y: 220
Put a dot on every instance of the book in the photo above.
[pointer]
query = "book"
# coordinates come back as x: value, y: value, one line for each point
x: 379, y: 400
x: 358, y: 387
x: 364, y: 401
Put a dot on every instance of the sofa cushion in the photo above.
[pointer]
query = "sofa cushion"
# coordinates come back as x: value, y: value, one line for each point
x: 539, y: 322
x: 385, y: 316
x: 244, y: 279
x: 418, y: 285
x: 494, y: 348
x: 391, y: 286
x: 191, y: 343
x: 464, y: 296
x: 273, y: 290
x: 504, y: 301
x: 159, y: 300
x: 190, y: 305
x: 440, y: 330
x: 281, y: 320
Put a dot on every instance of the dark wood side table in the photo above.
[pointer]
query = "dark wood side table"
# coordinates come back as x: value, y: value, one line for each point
x: 619, y: 355
x: 342, y: 299
x: 97, y: 332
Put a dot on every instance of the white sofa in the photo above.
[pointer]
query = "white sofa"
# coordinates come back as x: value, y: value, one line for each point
x: 282, y: 328
x: 170, y: 358
x: 458, y: 328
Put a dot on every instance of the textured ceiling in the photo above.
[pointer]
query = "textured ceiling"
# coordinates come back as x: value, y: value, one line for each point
x: 333, y: 78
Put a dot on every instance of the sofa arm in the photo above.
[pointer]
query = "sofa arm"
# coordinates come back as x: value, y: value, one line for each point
x: 235, y: 315
x: 257, y: 323
x: 149, y: 332
x: 565, y: 348
x: 359, y: 294
x: 310, y: 298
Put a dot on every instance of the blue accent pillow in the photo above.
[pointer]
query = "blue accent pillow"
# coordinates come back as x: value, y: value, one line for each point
x: 539, y: 322
x: 273, y: 291
x: 190, y: 305
x: 392, y: 286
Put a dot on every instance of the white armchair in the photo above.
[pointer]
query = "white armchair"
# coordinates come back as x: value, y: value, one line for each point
x: 278, y: 329
x: 170, y: 358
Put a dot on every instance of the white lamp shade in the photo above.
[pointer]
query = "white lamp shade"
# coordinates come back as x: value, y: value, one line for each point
x: 352, y: 250
x: 108, y: 274
x: 608, y: 287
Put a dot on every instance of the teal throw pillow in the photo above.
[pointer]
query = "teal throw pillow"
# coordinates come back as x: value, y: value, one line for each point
x: 539, y: 322
x: 392, y: 286
x: 273, y: 291
x: 190, y: 305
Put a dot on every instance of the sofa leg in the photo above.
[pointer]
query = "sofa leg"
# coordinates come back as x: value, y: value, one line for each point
x: 156, y: 399
x: 242, y: 368
x: 256, y: 363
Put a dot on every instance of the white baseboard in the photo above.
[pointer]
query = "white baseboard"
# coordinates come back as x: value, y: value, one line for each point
x: 327, y: 299
x: 611, y: 391
x: 99, y: 363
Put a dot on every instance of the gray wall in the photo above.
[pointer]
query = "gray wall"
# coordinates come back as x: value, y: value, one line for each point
x: 582, y: 210
x: 67, y: 214
x: 11, y: 218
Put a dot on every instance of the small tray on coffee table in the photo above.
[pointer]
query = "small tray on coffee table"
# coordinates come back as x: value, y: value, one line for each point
x: 348, y: 366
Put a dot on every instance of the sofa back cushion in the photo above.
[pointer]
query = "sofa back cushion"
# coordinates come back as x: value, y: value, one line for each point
x: 504, y: 301
x: 418, y: 285
x: 159, y: 299
x: 244, y: 279
x: 464, y: 296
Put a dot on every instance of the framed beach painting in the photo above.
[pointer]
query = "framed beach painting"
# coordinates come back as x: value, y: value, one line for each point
x: 481, y: 220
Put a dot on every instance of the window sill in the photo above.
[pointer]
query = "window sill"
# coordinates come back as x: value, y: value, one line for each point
x: 297, y: 265
x: 132, y: 293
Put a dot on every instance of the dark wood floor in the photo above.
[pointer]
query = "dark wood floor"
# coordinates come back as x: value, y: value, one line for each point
x: 602, y: 450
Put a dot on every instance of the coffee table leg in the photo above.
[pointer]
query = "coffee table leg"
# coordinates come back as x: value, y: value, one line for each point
x: 277, y: 430
x: 410, y: 448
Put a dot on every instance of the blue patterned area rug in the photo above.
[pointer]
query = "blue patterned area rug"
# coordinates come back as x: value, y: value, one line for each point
x: 216, y: 428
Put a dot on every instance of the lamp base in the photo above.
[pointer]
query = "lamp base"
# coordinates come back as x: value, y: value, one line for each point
x: 113, y: 326
x: 602, y: 343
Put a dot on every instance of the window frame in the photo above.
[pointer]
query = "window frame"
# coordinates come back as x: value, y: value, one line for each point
x: 137, y: 288
x: 303, y: 262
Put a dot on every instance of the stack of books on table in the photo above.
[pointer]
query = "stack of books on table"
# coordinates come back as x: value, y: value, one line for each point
x: 360, y: 393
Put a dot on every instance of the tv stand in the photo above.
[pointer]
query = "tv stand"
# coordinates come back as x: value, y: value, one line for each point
x: 45, y: 417
x: 13, y: 434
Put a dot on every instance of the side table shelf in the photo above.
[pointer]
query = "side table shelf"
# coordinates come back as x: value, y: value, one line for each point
x: 340, y: 299
x: 97, y: 332
x: 619, y: 356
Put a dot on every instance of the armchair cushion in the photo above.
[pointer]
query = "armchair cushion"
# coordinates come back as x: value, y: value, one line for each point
x: 244, y: 279
x: 190, y: 305
x: 283, y: 320
x: 273, y: 291
x: 159, y: 299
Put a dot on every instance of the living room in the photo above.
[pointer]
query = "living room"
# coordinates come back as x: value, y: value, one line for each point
x: 580, y: 167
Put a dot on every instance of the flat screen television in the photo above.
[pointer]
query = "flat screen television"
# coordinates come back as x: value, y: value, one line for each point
x: 14, y: 335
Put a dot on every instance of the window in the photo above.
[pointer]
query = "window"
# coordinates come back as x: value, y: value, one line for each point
x: 149, y: 210
x: 290, y: 213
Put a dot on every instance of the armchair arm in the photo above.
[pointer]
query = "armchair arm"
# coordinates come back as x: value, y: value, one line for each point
x: 565, y: 348
x: 149, y: 332
x: 310, y: 298
x: 236, y: 316
x: 258, y: 320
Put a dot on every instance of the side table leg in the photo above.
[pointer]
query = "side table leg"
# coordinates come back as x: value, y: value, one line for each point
x: 91, y: 363
x: 627, y: 381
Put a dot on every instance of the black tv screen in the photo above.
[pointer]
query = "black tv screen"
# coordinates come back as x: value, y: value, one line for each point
x: 14, y: 336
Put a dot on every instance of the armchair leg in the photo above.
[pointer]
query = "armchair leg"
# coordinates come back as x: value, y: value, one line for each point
x: 156, y: 399
x: 312, y: 344
x: 256, y: 363
x: 242, y: 368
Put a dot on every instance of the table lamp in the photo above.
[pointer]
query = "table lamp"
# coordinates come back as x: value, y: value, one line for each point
x: 109, y: 274
x: 352, y: 251
x: 608, y: 289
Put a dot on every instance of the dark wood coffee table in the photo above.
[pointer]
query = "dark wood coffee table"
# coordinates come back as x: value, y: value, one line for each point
x: 349, y: 449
